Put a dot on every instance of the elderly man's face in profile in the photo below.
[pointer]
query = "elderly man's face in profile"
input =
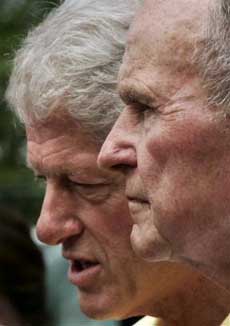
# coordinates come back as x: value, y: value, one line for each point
x: 173, y: 148
x: 85, y: 210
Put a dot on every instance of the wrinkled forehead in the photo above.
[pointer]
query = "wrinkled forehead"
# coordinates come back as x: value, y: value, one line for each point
x: 164, y: 17
x: 166, y: 32
x: 61, y: 129
x: 53, y: 127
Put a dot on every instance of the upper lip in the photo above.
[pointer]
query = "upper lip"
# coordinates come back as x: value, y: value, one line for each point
x: 73, y: 257
x: 135, y: 190
x: 136, y: 197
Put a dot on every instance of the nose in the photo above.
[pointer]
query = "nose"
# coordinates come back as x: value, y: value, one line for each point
x: 119, y: 148
x: 57, y: 220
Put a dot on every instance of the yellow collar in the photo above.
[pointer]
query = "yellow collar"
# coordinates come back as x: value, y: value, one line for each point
x: 226, y: 321
x: 147, y: 321
x: 151, y: 321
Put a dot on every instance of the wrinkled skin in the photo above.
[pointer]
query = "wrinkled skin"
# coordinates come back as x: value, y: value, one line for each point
x: 172, y: 147
x: 86, y: 211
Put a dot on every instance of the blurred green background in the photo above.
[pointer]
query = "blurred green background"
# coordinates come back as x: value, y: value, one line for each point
x: 17, y: 186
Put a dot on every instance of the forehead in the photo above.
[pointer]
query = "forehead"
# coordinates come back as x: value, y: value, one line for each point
x: 59, y: 143
x: 164, y: 34
x: 57, y: 125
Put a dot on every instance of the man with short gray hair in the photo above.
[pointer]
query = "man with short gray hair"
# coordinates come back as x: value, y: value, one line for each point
x: 172, y: 140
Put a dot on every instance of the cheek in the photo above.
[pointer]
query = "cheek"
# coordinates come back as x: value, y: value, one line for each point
x: 112, y: 221
x: 121, y: 225
x: 185, y: 167
x: 178, y: 139
x: 179, y: 146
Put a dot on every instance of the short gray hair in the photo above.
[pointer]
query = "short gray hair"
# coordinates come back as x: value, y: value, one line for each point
x: 213, y: 57
x: 71, y: 60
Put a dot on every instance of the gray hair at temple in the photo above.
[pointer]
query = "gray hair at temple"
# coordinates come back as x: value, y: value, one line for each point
x: 70, y: 61
x: 213, y: 56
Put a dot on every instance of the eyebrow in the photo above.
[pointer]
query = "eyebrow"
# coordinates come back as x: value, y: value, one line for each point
x: 132, y: 96
x: 137, y: 91
x: 58, y: 171
x: 37, y: 170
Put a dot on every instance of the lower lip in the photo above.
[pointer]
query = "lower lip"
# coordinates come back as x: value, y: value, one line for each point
x: 84, y: 278
x: 137, y: 209
x: 136, y: 201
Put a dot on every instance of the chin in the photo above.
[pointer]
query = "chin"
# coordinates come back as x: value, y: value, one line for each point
x: 100, y: 313
x: 95, y: 314
x: 150, y: 246
x: 99, y: 308
x: 140, y: 246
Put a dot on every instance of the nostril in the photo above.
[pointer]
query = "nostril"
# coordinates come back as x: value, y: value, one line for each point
x: 119, y: 159
x: 123, y: 168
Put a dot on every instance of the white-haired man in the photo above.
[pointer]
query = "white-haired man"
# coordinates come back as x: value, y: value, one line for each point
x: 172, y: 139
x: 63, y: 87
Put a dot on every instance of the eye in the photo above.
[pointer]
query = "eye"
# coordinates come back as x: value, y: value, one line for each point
x: 87, y: 187
x: 142, y: 110
x: 90, y: 191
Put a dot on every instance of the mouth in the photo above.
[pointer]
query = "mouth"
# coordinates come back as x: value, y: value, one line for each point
x: 138, y: 207
x: 83, y: 272
x: 80, y: 265
x: 137, y: 200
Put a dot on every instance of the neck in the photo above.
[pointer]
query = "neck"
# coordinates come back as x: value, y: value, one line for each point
x: 191, y: 300
x: 197, y: 307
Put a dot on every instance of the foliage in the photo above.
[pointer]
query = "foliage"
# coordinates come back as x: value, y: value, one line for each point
x: 17, y: 187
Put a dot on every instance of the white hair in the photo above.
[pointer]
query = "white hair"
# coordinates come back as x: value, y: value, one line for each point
x: 213, y: 57
x: 71, y: 61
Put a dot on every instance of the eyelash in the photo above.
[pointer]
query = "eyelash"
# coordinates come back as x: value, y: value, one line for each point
x: 40, y: 179
x: 85, y: 186
x: 142, y: 109
x: 77, y: 184
x: 92, y: 192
